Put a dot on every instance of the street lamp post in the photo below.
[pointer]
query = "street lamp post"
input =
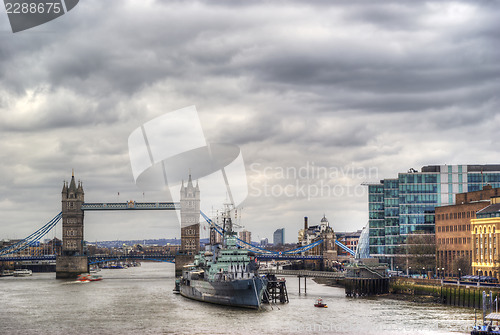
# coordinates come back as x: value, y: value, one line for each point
x: 423, y: 272
x: 459, y: 274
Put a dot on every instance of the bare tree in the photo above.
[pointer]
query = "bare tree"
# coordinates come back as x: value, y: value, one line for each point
x: 421, y: 251
x: 461, y: 266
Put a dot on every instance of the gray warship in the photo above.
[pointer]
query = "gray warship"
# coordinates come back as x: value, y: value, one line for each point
x: 224, y: 274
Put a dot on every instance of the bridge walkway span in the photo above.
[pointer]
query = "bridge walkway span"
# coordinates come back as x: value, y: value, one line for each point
x: 304, y: 273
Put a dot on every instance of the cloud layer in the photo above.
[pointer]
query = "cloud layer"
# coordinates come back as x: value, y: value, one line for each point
x: 371, y: 87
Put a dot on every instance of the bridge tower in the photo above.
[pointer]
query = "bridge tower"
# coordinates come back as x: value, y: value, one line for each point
x: 190, y: 225
x: 73, y: 260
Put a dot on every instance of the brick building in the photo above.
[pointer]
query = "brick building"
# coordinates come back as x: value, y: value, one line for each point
x: 350, y: 240
x: 453, y: 231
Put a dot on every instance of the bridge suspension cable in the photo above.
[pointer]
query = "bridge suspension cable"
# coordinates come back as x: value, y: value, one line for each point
x: 345, y: 248
x: 31, y: 239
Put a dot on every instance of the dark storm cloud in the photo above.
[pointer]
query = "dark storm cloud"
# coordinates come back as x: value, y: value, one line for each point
x: 337, y: 83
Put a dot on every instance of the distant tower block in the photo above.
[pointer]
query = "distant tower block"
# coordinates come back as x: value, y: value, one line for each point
x: 73, y: 261
x: 190, y: 225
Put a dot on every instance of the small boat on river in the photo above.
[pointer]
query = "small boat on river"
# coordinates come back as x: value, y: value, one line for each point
x: 22, y: 273
x: 6, y: 273
x: 85, y: 277
x: 319, y: 303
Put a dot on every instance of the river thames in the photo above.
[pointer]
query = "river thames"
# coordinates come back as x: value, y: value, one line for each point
x: 140, y: 301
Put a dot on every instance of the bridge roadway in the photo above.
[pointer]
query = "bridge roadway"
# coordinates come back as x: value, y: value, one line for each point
x: 304, y: 273
x: 131, y: 205
x: 106, y: 258
x: 261, y: 257
x: 284, y: 256
x: 27, y: 258
x: 92, y: 259
x: 171, y: 258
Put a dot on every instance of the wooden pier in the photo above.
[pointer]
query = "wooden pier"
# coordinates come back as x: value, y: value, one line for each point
x: 276, y: 290
x: 364, y: 280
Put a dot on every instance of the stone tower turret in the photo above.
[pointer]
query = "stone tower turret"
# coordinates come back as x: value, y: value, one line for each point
x: 72, y: 218
x: 73, y: 260
x: 190, y: 218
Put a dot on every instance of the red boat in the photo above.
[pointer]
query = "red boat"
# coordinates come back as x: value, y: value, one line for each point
x: 319, y: 303
x: 85, y: 277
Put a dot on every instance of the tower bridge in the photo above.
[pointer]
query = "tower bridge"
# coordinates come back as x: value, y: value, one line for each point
x: 73, y: 259
x: 131, y: 205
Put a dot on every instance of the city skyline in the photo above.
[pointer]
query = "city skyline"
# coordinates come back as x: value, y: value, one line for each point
x: 319, y: 97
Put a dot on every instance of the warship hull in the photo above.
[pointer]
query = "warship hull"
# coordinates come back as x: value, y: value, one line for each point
x: 246, y: 293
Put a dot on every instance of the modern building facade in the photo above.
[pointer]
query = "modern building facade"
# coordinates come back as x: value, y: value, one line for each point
x: 453, y: 231
x: 404, y: 205
x: 279, y: 236
x: 485, y: 229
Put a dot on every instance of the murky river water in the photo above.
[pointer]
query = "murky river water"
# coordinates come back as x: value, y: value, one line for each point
x: 140, y: 301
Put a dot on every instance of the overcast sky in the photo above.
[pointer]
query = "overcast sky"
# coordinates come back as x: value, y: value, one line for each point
x: 320, y: 96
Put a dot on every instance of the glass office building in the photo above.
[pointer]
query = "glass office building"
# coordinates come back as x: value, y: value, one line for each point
x: 403, y: 205
x: 279, y: 236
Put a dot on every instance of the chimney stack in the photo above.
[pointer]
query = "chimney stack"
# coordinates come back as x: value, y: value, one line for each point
x: 305, y: 223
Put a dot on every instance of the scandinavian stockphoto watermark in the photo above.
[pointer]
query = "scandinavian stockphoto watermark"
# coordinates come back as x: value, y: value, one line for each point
x: 326, y: 327
x: 166, y: 149
x: 309, y: 180
x: 26, y: 14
